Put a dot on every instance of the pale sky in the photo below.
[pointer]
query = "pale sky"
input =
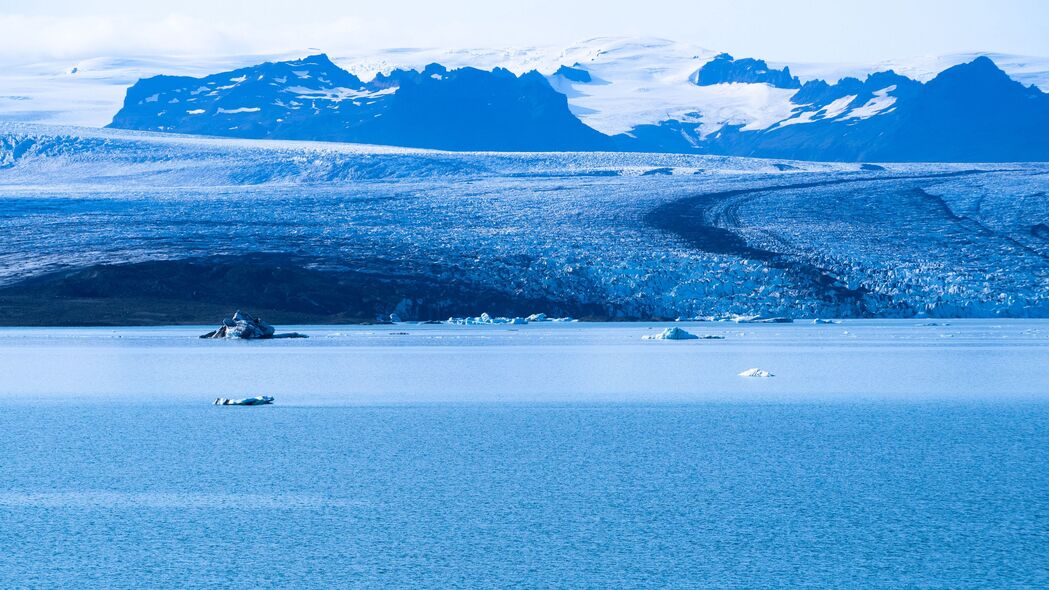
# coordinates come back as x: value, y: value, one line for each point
x: 778, y: 30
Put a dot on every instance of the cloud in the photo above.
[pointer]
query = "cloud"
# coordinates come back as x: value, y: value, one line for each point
x: 28, y: 37
x: 804, y: 30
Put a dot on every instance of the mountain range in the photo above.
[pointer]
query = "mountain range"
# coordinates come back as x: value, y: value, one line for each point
x: 608, y: 99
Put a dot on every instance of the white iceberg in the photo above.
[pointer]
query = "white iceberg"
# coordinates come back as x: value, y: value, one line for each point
x: 756, y: 373
x: 759, y: 319
x: 487, y: 319
x: 674, y: 333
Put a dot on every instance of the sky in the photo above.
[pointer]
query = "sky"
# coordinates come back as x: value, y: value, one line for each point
x: 779, y: 30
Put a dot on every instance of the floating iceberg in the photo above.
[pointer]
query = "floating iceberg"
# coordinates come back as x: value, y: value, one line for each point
x: 485, y: 319
x: 674, y: 333
x: 758, y: 319
x: 756, y: 373
x: 262, y: 400
x: 245, y: 327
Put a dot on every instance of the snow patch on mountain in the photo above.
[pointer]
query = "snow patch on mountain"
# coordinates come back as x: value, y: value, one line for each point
x: 877, y: 105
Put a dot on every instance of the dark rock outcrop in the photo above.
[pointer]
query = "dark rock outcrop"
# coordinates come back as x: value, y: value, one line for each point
x: 725, y: 69
x: 574, y: 74
x: 245, y: 327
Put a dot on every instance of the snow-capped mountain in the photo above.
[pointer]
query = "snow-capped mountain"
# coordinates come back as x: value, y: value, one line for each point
x: 601, y: 94
x: 970, y: 112
x: 314, y: 99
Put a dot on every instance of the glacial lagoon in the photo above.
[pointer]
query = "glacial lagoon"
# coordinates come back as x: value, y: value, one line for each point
x: 882, y: 453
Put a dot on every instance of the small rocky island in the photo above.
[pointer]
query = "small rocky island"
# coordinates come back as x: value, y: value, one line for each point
x: 246, y: 327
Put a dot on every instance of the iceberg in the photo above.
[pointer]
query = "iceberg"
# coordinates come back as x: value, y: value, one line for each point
x: 262, y: 400
x: 674, y: 333
x: 758, y: 319
x: 756, y: 373
x: 486, y: 319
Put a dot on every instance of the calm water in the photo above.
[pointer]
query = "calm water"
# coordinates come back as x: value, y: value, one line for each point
x: 870, y: 360
x: 706, y: 495
x: 158, y: 489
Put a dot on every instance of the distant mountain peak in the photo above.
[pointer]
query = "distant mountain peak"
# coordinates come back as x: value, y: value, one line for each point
x: 982, y: 67
x: 321, y: 59
x: 981, y: 79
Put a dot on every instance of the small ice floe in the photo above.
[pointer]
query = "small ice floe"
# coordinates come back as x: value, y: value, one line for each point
x: 262, y: 400
x: 822, y: 321
x: 245, y: 327
x: 674, y: 333
x: 756, y: 373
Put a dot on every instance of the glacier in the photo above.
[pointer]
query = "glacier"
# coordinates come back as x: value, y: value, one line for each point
x: 103, y: 223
